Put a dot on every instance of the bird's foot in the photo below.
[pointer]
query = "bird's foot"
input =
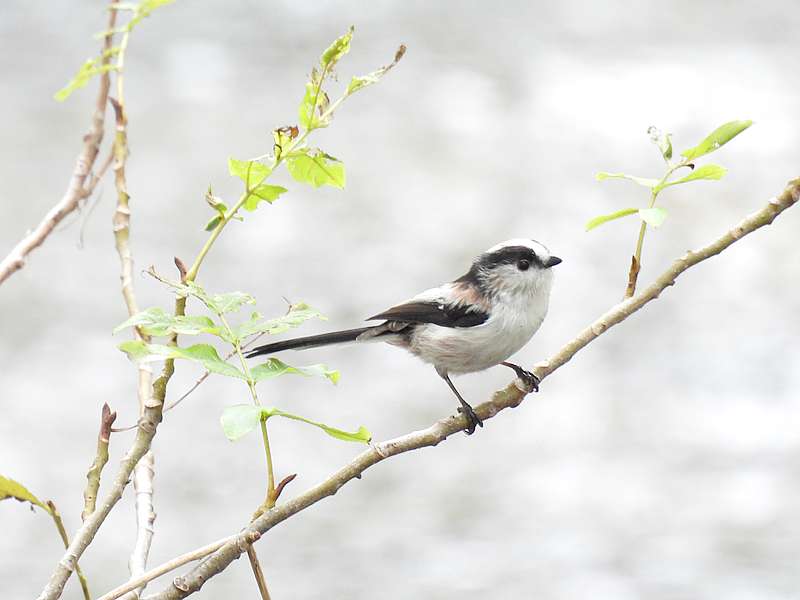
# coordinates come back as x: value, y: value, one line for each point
x: 473, y: 419
x: 529, y: 380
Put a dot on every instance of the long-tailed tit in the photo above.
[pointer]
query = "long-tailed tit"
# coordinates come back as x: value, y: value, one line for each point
x: 467, y: 325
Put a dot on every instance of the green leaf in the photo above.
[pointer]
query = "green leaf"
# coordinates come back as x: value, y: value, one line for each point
x: 605, y: 218
x: 315, y: 168
x: 703, y: 172
x: 263, y: 193
x: 239, y: 420
x: 716, y: 139
x: 358, y: 83
x: 204, y: 354
x: 89, y: 69
x: 13, y: 489
x: 646, y: 182
x: 157, y: 322
x: 212, y: 223
x: 653, y: 216
x: 275, y: 368
x: 298, y: 314
x: 314, y: 104
x: 362, y: 436
x: 336, y: 50
x: 229, y: 302
x: 251, y: 172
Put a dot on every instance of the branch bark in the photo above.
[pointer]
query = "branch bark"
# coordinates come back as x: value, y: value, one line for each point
x: 509, y: 397
x: 107, y: 419
x: 77, y: 188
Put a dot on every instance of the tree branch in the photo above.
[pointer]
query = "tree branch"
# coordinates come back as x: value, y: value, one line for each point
x: 51, y: 508
x: 509, y: 397
x: 257, y: 572
x: 107, y: 419
x: 144, y: 471
x: 171, y: 565
x: 76, y: 190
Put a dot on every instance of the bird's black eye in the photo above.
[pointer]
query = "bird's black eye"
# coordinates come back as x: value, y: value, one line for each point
x: 523, y: 264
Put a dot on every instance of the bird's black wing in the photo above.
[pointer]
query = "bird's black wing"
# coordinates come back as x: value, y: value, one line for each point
x: 437, y: 313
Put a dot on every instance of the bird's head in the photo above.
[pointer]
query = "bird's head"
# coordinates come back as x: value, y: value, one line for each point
x: 517, y: 267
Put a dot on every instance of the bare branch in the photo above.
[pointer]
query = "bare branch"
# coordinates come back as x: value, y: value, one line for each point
x: 509, y: 397
x: 76, y: 190
x: 171, y: 565
x: 145, y: 518
x: 107, y: 419
x: 257, y: 572
x: 51, y: 508
x: 145, y: 469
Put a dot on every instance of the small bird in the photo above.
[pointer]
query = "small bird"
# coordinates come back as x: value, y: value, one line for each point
x: 470, y: 324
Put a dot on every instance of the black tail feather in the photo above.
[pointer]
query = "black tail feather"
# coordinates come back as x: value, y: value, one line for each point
x: 312, y: 341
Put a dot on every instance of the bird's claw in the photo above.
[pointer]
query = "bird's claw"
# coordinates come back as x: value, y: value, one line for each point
x: 530, y: 380
x: 473, y: 419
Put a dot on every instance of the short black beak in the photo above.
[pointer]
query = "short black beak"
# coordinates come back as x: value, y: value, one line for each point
x: 552, y: 262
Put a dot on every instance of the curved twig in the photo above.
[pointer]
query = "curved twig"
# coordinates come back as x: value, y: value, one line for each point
x: 509, y: 397
x: 77, y: 189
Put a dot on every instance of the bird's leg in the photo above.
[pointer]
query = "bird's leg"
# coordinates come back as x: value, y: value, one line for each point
x: 472, y: 418
x: 530, y: 380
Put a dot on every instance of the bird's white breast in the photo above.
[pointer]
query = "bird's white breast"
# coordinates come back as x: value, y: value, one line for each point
x: 513, y: 320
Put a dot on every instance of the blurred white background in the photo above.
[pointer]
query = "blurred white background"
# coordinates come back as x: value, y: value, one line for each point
x: 661, y: 463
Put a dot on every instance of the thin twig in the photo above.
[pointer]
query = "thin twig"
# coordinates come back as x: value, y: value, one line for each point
x: 76, y: 191
x: 145, y: 518
x: 51, y: 508
x: 509, y: 397
x: 257, y: 572
x: 107, y: 419
x: 160, y: 570
x: 144, y: 471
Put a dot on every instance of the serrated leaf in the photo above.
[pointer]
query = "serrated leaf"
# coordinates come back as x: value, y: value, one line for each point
x: 336, y: 50
x: 653, y: 216
x: 597, y: 221
x: 203, y: 354
x: 275, y: 368
x: 645, y: 181
x: 219, y: 303
x: 711, y: 172
x: 263, y: 193
x: 316, y: 168
x: 251, y: 172
x: 239, y: 420
x: 298, y: 314
x: 362, y: 436
x: 716, y: 139
x: 229, y: 302
x: 14, y: 489
x: 157, y: 322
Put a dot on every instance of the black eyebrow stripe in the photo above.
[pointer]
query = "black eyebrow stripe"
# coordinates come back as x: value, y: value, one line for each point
x: 509, y: 255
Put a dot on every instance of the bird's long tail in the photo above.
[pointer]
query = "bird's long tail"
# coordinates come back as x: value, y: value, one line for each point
x: 311, y: 341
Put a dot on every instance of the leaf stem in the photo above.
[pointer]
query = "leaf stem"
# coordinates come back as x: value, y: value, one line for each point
x: 636, y: 259
x: 269, y: 501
